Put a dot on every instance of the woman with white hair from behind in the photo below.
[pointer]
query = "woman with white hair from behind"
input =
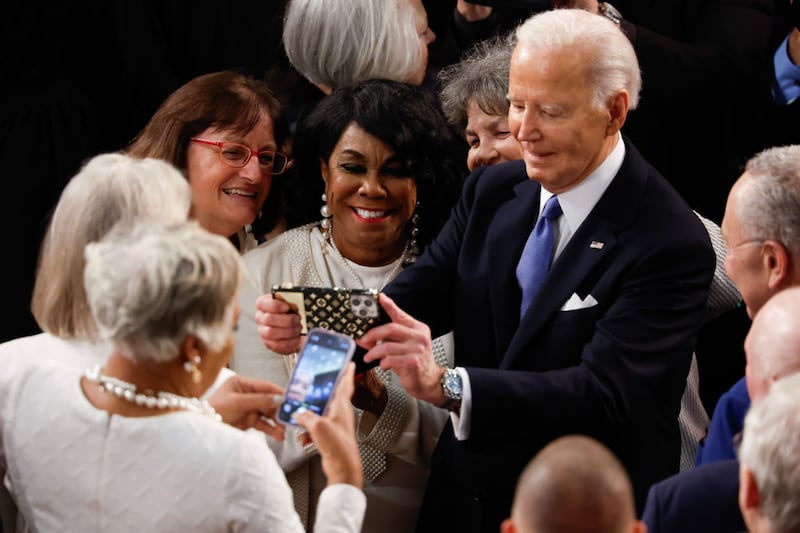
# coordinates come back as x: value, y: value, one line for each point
x: 337, y: 42
x: 133, y: 440
x: 109, y: 189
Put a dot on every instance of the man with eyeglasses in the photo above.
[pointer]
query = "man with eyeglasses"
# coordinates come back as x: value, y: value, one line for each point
x: 761, y: 228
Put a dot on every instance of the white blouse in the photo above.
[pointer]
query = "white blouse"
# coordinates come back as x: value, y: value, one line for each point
x: 73, y: 466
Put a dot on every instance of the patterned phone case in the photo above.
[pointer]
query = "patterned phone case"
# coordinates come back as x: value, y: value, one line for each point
x: 348, y: 311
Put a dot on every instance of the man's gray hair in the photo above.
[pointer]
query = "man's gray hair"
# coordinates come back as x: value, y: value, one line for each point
x: 769, y: 449
x: 611, y: 64
x: 770, y: 207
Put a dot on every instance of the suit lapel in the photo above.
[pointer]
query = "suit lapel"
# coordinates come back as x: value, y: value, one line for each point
x: 577, y: 260
x: 507, y: 236
x: 613, y: 214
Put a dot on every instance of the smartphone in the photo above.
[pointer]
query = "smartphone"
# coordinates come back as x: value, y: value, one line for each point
x: 321, y: 362
x: 349, y: 311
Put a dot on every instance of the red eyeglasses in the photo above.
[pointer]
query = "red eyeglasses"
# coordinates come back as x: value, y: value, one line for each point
x: 238, y: 155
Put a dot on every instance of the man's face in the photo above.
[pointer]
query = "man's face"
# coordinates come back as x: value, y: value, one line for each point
x: 564, y: 135
x: 743, y: 259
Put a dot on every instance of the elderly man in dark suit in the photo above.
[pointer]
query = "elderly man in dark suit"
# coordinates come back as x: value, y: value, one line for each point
x: 600, y: 344
x: 760, y: 229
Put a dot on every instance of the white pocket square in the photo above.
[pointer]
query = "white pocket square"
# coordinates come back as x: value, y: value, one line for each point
x: 575, y: 302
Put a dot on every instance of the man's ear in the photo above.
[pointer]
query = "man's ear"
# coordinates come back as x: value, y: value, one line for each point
x: 748, y: 490
x: 618, y: 111
x: 508, y: 526
x: 777, y: 264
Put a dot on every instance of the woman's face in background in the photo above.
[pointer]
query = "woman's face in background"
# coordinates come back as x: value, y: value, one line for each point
x: 489, y: 138
x: 426, y: 37
x: 226, y: 198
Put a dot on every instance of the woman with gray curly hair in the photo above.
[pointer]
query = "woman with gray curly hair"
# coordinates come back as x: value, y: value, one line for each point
x: 474, y: 100
x: 138, y: 448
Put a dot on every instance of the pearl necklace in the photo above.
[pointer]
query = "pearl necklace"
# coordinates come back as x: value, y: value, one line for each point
x: 153, y: 400
x: 355, y: 275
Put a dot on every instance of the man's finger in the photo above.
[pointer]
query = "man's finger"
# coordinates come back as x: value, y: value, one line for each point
x: 394, y: 312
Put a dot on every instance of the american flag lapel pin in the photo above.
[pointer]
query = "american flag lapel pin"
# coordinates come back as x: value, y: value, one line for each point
x: 597, y: 245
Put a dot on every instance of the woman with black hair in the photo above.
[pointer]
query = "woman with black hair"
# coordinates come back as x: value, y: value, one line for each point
x: 391, y: 169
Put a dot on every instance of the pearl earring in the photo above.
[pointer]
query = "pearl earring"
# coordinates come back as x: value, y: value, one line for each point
x: 325, y: 224
x: 193, y: 367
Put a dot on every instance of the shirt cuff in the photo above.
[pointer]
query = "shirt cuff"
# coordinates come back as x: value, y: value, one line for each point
x: 340, y: 508
x: 461, y: 425
x: 786, y: 85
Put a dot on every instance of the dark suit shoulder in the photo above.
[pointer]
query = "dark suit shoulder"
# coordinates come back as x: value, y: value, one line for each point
x: 704, y: 498
x: 496, y: 179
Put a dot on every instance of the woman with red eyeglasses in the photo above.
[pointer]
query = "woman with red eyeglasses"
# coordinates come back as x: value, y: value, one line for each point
x: 223, y: 131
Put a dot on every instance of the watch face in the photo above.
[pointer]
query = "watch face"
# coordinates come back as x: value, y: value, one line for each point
x: 452, y: 383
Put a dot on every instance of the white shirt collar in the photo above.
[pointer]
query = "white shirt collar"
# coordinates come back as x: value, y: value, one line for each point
x: 578, y: 202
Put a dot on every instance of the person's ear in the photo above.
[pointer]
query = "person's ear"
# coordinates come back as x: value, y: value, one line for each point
x: 618, y: 111
x: 776, y: 261
x: 190, y: 347
x: 639, y: 527
x: 325, y: 171
x: 508, y: 526
x: 748, y: 490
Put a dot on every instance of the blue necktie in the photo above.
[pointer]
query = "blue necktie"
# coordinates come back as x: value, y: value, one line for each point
x: 538, y: 253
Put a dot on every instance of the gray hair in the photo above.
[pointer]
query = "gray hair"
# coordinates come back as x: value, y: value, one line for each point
x: 770, y: 209
x: 336, y: 42
x: 109, y: 189
x: 769, y: 449
x: 151, y: 285
x: 611, y: 64
x: 481, y: 77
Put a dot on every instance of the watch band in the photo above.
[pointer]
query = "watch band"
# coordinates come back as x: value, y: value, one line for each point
x: 610, y: 12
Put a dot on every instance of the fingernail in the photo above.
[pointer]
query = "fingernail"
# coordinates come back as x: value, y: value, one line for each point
x: 270, y: 422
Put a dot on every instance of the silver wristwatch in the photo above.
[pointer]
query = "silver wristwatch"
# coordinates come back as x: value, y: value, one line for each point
x: 452, y: 389
x: 610, y: 12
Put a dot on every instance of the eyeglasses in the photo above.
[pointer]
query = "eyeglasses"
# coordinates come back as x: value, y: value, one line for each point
x: 237, y: 155
x: 743, y: 244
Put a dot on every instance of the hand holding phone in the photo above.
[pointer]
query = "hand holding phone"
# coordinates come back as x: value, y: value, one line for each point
x: 321, y: 362
x: 349, y: 311
x: 334, y: 435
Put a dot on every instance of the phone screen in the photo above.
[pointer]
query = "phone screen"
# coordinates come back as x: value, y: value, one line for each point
x: 322, y: 360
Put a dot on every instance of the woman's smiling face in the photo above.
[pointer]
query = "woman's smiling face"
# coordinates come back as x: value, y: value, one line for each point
x: 371, y: 197
x: 226, y: 198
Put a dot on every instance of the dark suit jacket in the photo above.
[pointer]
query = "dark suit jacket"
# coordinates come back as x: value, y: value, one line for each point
x: 615, y: 371
x: 703, y: 499
x: 700, y: 59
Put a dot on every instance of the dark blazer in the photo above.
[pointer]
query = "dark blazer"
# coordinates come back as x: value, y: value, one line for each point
x: 700, y: 59
x: 703, y: 499
x: 615, y: 371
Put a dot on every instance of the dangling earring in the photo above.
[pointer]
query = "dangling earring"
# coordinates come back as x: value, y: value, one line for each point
x: 193, y: 367
x: 325, y: 224
x: 413, y: 246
